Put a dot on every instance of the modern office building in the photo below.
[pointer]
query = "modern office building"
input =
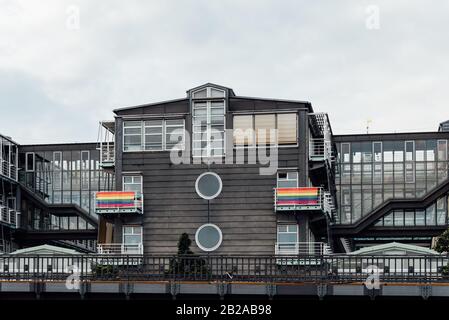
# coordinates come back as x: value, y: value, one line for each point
x: 240, y: 175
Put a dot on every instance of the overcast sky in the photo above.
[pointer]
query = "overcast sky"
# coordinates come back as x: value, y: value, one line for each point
x: 60, y: 72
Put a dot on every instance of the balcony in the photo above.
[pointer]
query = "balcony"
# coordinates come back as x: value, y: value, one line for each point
x: 303, y: 199
x: 106, y: 146
x: 8, y: 170
x: 118, y: 202
x: 10, y: 216
x: 302, y: 248
x: 120, y: 248
x: 320, y: 150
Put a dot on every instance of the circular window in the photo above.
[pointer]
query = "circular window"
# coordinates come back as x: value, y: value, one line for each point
x: 208, y: 185
x: 208, y: 237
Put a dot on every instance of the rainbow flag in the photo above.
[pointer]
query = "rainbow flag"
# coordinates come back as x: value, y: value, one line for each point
x: 115, y: 199
x: 297, y: 196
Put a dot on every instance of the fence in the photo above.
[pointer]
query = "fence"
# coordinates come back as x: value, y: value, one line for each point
x: 322, y: 269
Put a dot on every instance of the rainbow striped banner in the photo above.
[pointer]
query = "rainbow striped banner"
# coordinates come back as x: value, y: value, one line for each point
x: 297, y: 196
x: 115, y: 199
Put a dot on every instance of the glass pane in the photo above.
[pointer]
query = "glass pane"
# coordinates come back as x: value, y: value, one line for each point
x: 287, y: 128
x: 243, y: 130
x: 265, y: 126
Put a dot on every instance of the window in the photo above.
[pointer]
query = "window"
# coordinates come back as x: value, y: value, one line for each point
x: 132, y: 234
x: 174, y: 134
x: 153, y: 135
x: 377, y: 150
x: 133, y: 183
x: 345, y: 152
x: 251, y: 130
x: 29, y: 161
x: 287, y: 179
x: 209, y: 92
x: 264, y: 125
x: 287, y: 128
x: 208, y: 128
x: 442, y: 150
x: 287, y: 233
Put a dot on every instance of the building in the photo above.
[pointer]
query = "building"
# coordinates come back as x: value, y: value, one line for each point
x: 47, y: 195
x: 240, y: 175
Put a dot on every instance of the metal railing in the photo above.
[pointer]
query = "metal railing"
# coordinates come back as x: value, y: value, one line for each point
x: 119, y: 248
x: 320, y: 149
x: 302, y: 248
x: 324, y: 269
x: 322, y: 201
x: 10, y: 216
x: 107, y: 153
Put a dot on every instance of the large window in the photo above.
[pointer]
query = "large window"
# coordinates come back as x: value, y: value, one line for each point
x: 371, y: 172
x: 153, y: 135
x: 257, y: 129
x: 208, y: 128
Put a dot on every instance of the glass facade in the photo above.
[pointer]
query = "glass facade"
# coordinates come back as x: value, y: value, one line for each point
x: 64, y: 177
x: 372, y: 172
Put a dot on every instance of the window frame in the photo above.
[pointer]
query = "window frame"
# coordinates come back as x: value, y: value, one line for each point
x: 132, y: 234
x: 133, y: 176
x: 208, y: 102
x: 254, y: 135
x: 287, y: 232
x: 163, y: 138
x: 27, y: 161
x: 287, y: 179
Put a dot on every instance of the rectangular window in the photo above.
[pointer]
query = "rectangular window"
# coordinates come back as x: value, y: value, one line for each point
x: 153, y: 135
x: 208, y: 128
x: 29, y: 161
x: 287, y: 126
x: 287, y: 179
x: 132, y: 136
x: 132, y: 234
x: 377, y: 151
x: 287, y: 233
x: 442, y: 150
x: 250, y: 130
x: 132, y: 183
x: 264, y: 125
x: 174, y: 134
x: 345, y: 152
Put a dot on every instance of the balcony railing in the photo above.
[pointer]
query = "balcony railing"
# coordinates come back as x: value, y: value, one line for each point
x: 10, y: 216
x: 320, y: 150
x: 120, y: 248
x: 8, y: 170
x: 107, y: 154
x: 302, y: 248
x: 303, y: 199
x: 114, y: 202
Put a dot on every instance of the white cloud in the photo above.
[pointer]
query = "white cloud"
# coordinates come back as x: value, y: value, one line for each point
x: 62, y: 81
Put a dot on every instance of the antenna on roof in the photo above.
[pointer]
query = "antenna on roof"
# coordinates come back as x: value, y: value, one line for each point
x: 368, y: 122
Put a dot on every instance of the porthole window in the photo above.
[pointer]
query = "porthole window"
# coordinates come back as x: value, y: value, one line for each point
x: 208, y: 185
x: 208, y: 237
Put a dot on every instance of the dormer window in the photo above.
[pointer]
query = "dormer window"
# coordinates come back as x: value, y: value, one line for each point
x: 208, y: 92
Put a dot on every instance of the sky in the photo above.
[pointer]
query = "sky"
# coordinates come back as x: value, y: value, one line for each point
x: 65, y: 65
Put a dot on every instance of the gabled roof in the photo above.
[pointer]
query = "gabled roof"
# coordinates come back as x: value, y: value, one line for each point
x: 46, y: 249
x: 394, y: 247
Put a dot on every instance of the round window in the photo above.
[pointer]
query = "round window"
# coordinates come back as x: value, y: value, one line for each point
x: 208, y: 185
x: 208, y: 237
